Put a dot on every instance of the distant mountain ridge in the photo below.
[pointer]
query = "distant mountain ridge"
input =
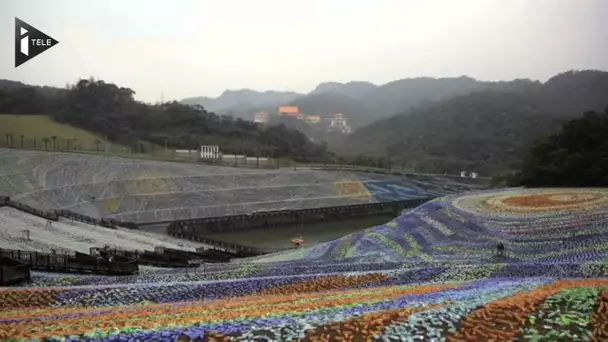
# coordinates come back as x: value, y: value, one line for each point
x: 244, y: 99
x: 353, y: 88
x: 13, y: 85
x: 488, y: 130
x: 361, y: 102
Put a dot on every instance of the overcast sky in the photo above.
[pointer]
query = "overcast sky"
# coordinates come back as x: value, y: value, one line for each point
x: 188, y: 48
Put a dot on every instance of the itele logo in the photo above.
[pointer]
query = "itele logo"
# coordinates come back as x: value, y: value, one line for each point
x: 30, y: 42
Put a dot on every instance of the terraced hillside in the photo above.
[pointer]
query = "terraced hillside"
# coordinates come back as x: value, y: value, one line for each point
x: 148, y: 191
x: 394, y: 282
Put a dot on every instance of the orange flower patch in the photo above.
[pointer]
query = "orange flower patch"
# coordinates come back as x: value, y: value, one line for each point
x: 500, y: 320
x: 27, y: 298
x: 326, y: 284
x: 599, y: 319
x: 196, y: 312
x: 549, y: 200
x: 364, y: 327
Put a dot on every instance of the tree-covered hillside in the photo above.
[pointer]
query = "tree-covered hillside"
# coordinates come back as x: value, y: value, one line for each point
x: 576, y: 156
x: 487, y: 131
x: 111, y: 111
x: 361, y: 102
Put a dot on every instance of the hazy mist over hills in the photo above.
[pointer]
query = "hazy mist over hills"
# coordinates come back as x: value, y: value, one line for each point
x: 242, y: 100
x: 350, y: 88
x: 361, y: 102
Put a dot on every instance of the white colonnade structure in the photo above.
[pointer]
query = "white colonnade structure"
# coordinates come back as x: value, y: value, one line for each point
x: 210, y: 151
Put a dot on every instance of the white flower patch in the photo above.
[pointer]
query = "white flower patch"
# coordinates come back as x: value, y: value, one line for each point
x: 437, y: 225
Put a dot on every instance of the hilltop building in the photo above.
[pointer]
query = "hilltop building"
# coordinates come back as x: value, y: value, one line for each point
x: 312, y: 119
x: 338, y: 122
x: 260, y: 117
x: 294, y: 111
x: 289, y: 111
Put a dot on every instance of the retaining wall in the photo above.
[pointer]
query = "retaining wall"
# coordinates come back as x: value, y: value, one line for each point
x: 6, y: 201
x: 83, y: 218
x: 276, y: 219
x: 231, y: 249
x: 13, y: 272
x: 161, y: 257
x: 69, y: 263
x: 143, y: 257
x: 107, y: 223
x: 227, y: 247
x: 397, y: 172
x: 195, y: 229
x: 33, y: 211
x: 54, y: 215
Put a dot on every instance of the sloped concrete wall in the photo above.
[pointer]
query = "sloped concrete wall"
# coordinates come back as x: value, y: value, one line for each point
x: 144, y: 191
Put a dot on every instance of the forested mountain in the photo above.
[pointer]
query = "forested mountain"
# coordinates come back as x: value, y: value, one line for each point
x: 364, y: 103
x: 485, y: 131
x: 576, y: 156
x: 485, y: 127
x: 111, y: 111
x: 352, y: 89
x: 244, y: 102
x: 325, y: 104
x: 19, y: 98
x: 575, y: 92
x: 361, y: 102
x: 13, y: 85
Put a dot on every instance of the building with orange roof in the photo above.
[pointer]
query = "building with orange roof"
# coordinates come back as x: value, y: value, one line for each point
x: 289, y: 110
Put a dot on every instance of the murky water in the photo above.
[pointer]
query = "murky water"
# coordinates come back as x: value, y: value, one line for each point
x: 312, y: 233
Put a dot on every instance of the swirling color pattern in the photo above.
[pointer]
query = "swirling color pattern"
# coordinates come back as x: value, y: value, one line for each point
x: 429, y: 275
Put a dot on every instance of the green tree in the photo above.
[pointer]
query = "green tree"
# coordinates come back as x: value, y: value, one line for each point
x: 112, y: 112
x: 576, y: 156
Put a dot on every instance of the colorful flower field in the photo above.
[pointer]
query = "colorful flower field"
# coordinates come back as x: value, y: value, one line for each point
x: 429, y: 275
